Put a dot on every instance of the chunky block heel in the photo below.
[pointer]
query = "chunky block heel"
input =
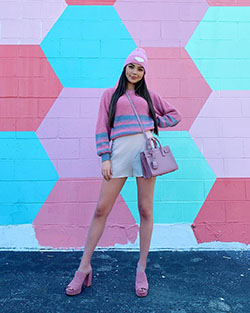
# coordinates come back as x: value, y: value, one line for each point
x: 75, y: 286
x: 88, y: 280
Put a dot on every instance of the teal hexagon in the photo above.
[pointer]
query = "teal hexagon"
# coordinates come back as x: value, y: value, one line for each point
x: 87, y: 46
x: 220, y: 48
x: 178, y: 195
x: 27, y: 177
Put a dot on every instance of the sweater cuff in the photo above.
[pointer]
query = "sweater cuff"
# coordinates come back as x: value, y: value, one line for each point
x: 105, y: 156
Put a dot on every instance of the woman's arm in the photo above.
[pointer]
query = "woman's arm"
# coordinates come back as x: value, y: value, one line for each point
x: 102, y: 128
x: 166, y: 114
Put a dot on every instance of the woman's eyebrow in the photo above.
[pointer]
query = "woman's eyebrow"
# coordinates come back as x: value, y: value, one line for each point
x: 139, y: 67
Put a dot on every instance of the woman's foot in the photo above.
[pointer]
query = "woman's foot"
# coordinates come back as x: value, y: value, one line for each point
x: 80, y: 278
x: 141, y: 282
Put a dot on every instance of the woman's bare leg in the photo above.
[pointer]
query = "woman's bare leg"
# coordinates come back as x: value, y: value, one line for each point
x: 108, y: 194
x: 145, y: 187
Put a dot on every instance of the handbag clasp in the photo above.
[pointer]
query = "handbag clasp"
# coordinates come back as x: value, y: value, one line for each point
x: 154, y: 165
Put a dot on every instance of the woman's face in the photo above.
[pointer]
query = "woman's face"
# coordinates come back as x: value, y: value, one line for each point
x: 134, y: 72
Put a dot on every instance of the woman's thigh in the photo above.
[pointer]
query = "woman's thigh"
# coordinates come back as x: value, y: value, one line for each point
x: 108, y: 194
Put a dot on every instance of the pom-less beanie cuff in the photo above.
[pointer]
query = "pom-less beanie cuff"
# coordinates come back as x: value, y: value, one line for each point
x: 138, y: 56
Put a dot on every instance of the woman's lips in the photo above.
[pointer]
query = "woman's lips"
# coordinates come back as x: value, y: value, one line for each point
x: 133, y: 77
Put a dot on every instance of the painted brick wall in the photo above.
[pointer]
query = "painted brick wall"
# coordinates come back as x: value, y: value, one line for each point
x: 56, y: 59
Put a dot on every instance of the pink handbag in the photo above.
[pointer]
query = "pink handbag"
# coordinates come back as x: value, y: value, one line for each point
x: 155, y: 161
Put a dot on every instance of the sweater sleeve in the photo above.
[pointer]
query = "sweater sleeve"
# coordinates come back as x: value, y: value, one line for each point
x: 166, y: 114
x: 102, y: 128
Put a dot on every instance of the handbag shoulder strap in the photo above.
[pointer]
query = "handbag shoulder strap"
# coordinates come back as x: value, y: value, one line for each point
x: 138, y: 117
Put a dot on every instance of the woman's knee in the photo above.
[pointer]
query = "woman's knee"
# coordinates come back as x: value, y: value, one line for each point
x: 146, y: 210
x: 102, y: 210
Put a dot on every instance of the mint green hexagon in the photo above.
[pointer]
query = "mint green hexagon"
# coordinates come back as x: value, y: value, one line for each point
x: 27, y: 177
x: 87, y: 46
x: 178, y: 195
x: 220, y: 48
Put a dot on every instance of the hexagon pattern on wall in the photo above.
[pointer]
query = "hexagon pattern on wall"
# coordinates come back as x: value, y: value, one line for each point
x: 27, y: 177
x: 72, y: 202
x: 28, y: 22
x: 87, y: 46
x: 161, y: 23
x: 68, y: 128
x: 28, y: 89
x: 173, y: 74
x: 225, y: 215
x: 220, y: 48
x: 229, y: 153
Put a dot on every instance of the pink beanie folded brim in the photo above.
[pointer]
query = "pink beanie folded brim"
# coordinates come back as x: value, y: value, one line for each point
x: 138, y: 56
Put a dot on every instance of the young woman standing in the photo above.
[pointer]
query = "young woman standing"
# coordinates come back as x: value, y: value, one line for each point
x: 118, y: 124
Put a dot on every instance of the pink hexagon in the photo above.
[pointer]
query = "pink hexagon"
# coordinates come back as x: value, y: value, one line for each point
x: 28, y: 22
x: 229, y: 2
x: 225, y: 215
x: 173, y: 74
x: 89, y: 2
x: 28, y: 87
x: 161, y: 23
x: 64, y: 218
x: 224, y: 143
x: 67, y: 133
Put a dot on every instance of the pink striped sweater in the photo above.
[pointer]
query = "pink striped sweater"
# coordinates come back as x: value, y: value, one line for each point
x: 125, y: 122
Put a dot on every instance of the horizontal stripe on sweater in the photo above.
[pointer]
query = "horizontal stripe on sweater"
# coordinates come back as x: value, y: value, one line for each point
x: 166, y: 121
x: 101, y: 144
x: 128, y: 118
x: 99, y: 152
x: 118, y: 127
x: 174, y: 121
x: 101, y: 135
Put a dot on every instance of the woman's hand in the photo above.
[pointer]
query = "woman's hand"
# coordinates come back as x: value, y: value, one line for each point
x: 107, y: 169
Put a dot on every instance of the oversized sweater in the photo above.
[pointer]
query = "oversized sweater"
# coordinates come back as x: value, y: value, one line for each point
x: 126, y: 123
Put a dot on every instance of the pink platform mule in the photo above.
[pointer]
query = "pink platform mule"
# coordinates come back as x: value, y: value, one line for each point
x: 75, y: 286
x: 141, y: 284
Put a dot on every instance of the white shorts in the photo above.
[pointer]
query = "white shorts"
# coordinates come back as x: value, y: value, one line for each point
x: 125, y: 155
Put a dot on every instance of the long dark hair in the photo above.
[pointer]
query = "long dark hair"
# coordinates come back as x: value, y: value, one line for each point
x: 140, y: 90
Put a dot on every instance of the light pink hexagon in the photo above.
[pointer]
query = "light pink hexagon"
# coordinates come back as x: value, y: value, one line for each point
x: 221, y: 131
x: 27, y: 21
x: 67, y: 133
x: 161, y: 23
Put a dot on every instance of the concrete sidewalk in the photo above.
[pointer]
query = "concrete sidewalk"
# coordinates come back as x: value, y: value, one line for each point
x: 179, y: 282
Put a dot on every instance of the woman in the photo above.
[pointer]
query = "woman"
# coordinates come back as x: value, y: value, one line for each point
x: 117, y: 123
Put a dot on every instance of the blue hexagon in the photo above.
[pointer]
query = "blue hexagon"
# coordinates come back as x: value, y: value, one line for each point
x: 27, y: 177
x: 178, y: 195
x: 220, y: 48
x: 87, y: 46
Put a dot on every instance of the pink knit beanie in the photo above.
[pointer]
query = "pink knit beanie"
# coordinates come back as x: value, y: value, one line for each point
x: 138, y: 56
